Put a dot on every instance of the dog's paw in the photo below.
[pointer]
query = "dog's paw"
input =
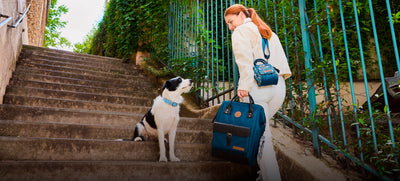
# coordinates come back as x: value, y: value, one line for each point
x: 138, y: 139
x: 175, y: 159
x: 163, y: 159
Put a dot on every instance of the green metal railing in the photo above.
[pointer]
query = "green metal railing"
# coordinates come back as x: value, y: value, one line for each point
x: 343, y: 55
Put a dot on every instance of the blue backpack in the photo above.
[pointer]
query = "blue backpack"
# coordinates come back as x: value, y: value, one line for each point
x: 237, y: 129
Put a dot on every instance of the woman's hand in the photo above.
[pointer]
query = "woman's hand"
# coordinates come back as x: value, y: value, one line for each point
x: 242, y: 93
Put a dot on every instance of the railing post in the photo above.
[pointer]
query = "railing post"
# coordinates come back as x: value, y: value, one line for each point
x: 310, y: 80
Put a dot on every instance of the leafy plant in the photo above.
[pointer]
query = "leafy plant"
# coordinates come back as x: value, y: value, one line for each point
x: 86, y: 44
x: 52, y: 35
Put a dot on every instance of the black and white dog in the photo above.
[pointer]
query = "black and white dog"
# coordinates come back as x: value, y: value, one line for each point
x: 163, y: 117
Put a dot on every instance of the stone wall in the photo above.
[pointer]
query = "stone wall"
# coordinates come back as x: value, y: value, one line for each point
x: 11, y: 40
x: 37, y: 19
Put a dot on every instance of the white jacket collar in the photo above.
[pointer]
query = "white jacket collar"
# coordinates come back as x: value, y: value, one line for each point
x: 246, y: 20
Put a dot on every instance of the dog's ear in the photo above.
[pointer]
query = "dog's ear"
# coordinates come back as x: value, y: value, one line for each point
x: 167, y: 84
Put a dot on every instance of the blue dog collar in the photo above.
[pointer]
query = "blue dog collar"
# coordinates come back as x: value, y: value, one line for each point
x: 174, y: 104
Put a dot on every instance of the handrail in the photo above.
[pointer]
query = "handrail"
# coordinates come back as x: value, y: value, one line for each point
x: 5, y: 21
x: 20, y: 19
x: 219, y: 95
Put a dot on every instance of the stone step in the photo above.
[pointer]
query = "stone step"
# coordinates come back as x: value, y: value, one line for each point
x: 81, y: 131
x: 32, y: 51
x: 133, y: 80
x: 130, y: 85
x: 116, y: 91
x: 111, y: 67
x: 141, y: 106
x: 76, y: 116
x: 124, y: 171
x: 84, y: 69
x: 62, y: 149
x: 79, y: 96
x: 34, y: 88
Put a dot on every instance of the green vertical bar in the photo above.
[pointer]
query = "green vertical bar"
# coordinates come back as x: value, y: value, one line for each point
x: 287, y: 56
x: 276, y: 21
x: 396, y: 50
x: 197, y: 50
x: 212, y: 49
x: 222, y: 48
x: 336, y: 74
x: 208, y: 53
x: 177, y: 15
x: 323, y: 72
x: 348, y: 62
x: 186, y: 32
x: 228, y: 50
x: 216, y: 49
x: 235, y: 68
x: 192, y: 42
x: 203, y: 47
x: 364, y: 74
x: 180, y: 43
x: 178, y: 30
x: 310, y: 81
x: 170, y: 31
x: 387, y: 109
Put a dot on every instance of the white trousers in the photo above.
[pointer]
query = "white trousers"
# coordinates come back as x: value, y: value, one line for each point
x: 271, y: 99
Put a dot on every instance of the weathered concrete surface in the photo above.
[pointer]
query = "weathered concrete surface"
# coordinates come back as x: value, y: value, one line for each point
x: 11, y: 40
x: 13, y: 128
x: 37, y: 20
x: 124, y: 171
x: 296, y: 158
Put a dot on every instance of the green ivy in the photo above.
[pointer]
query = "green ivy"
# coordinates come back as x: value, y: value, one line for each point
x: 132, y: 25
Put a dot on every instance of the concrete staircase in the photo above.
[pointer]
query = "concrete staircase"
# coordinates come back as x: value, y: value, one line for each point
x: 63, y: 111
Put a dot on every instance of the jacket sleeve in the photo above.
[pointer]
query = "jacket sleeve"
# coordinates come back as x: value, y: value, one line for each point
x: 278, y: 57
x: 243, y: 51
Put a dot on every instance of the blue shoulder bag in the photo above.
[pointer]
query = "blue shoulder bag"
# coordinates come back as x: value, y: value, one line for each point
x: 265, y: 74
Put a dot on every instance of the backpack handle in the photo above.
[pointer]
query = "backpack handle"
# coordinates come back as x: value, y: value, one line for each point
x: 249, y: 114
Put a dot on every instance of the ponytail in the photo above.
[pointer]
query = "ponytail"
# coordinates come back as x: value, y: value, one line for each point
x: 263, y: 28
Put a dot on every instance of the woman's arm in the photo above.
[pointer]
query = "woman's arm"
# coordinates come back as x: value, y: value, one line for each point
x: 243, y: 51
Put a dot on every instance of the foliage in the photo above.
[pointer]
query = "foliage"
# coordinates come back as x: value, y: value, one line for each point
x: 86, y: 44
x: 132, y: 25
x: 52, y: 36
x: 396, y: 18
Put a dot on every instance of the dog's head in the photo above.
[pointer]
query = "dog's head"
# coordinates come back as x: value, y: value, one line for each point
x: 178, y: 84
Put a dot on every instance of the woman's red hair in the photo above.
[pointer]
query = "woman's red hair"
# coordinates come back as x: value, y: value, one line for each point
x: 264, y: 29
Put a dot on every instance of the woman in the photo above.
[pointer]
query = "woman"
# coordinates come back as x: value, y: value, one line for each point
x: 247, y: 29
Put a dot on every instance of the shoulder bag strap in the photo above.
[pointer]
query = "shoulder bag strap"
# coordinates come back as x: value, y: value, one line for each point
x: 265, y: 41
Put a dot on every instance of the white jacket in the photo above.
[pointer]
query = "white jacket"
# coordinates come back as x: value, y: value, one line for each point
x: 247, y: 46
